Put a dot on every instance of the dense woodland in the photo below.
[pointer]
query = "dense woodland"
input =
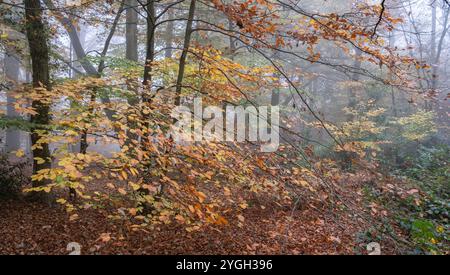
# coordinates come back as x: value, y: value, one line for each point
x: 88, y: 163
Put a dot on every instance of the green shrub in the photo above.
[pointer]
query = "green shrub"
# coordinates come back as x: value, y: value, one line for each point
x: 427, y: 222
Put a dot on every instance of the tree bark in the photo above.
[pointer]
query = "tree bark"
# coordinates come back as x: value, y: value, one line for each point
x: 131, y: 31
x: 232, y: 41
x: 438, y: 52
x: 433, y: 47
x: 169, y: 35
x: 394, y: 107
x: 187, y: 43
x: 352, y: 96
x: 37, y: 40
x: 131, y: 36
x: 12, y: 70
x: 79, y: 51
x: 150, y: 54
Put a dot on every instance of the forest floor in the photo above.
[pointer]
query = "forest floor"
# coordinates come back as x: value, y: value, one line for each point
x: 313, y: 228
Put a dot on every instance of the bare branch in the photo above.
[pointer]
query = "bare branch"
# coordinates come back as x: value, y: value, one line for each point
x: 380, y: 18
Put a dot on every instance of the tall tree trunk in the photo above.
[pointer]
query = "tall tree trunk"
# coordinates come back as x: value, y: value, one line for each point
x: 12, y: 71
x: 74, y: 38
x: 352, y: 96
x: 132, y: 30
x: 37, y: 40
x: 232, y: 40
x: 149, y: 58
x: 438, y: 51
x: 187, y: 44
x: 81, y: 32
x: 394, y: 107
x: 169, y: 34
x: 433, y: 47
x: 150, y: 55
x: 132, y: 55
x: 101, y: 67
x: 441, y: 104
x: 79, y: 51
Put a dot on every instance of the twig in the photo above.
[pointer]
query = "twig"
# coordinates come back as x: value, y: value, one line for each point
x: 383, y: 8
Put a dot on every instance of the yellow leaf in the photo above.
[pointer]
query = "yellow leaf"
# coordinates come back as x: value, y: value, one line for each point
x: 39, y: 160
x: 134, y: 171
x: 135, y: 186
x: 124, y: 174
x: 71, y: 133
x: 20, y: 153
x: 61, y: 201
x: 80, y: 156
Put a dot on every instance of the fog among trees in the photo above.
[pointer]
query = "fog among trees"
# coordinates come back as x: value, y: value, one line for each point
x: 357, y: 126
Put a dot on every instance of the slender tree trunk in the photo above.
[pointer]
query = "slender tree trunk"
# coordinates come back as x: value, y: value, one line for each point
x: 76, y: 148
x: 232, y: 40
x: 37, y: 40
x: 169, y: 34
x: 131, y: 36
x: 150, y: 55
x: 12, y: 71
x: 132, y: 31
x: 101, y: 67
x: 433, y: 47
x: 438, y: 52
x: 81, y: 32
x: 74, y: 38
x: 149, y: 58
x: 187, y: 43
x: 275, y: 98
x: 394, y: 107
x: 132, y: 55
x: 79, y: 51
x: 352, y: 96
x: 441, y: 104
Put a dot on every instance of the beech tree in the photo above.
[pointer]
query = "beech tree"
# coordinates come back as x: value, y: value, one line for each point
x: 358, y: 88
x: 39, y: 54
